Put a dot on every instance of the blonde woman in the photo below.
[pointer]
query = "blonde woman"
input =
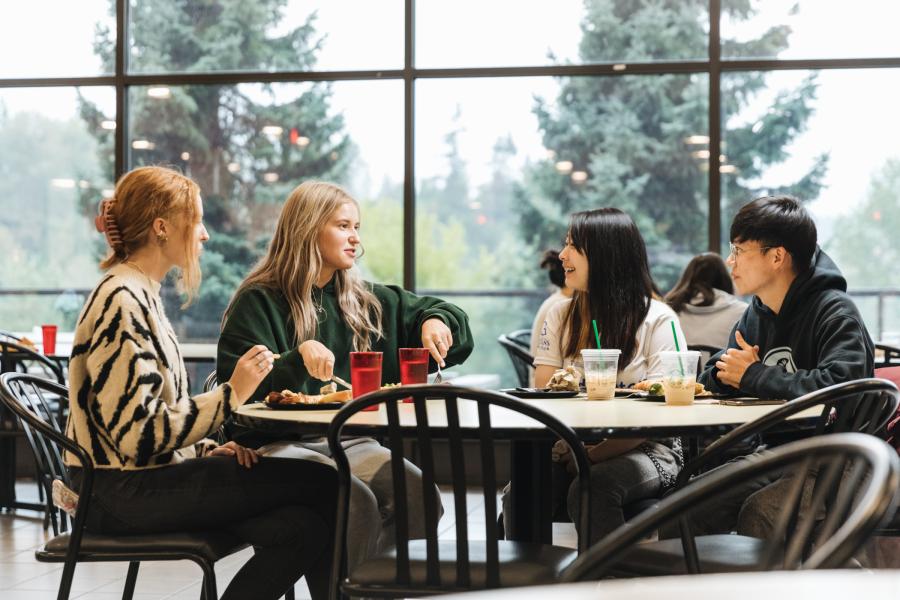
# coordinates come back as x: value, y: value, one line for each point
x: 305, y: 301
x: 130, y: 407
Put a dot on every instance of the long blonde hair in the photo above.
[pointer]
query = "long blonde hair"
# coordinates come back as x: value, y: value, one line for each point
x: 292, y: 264
x: 142, y: 196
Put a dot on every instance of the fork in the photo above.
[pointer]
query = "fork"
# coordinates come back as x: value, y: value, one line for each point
x: 438, y: 378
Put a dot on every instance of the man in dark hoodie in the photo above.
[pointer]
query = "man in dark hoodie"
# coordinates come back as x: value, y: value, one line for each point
x: 801, y: 332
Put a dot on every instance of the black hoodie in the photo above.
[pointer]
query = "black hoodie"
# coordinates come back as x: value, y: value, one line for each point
x: 816, y: 340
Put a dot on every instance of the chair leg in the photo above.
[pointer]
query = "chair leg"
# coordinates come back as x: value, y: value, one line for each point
x: 208, y: 591
x: 65, y: 582
x: 130, y: 580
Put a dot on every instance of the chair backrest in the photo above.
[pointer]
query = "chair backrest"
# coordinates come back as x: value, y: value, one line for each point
x: 863, y: 405
x: 521, y: 337
x: 16, y: 357
x: 892, y: 429
x: 211, y: 382
x: 30, y: 398
x: 520, y: 355
x: 863, y: 469
x: 9, y: 336
x: 891, y: 355
x: 467, y: 414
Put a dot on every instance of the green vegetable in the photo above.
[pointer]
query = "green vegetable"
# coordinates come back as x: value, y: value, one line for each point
x: 656, y: 389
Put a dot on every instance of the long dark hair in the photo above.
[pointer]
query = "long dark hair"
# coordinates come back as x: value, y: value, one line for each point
x: 706, y: 272
x: 619, y: 283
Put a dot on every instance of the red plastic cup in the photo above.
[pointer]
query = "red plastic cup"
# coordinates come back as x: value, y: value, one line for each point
x: 413, y: 366
x: 49, y: 333
x: 365, y: 373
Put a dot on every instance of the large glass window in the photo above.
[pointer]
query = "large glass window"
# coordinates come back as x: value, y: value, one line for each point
x: 834, y: 155
x: 502, y: 163
x: 504, y: 33
x: 500, y: 159
x: 802, y: 29
x: 55, y: 165
x: 249, y: 145
x: 265, y: 35
x: 53, y: 38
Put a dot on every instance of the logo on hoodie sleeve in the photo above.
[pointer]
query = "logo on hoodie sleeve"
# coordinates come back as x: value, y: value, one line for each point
x: 782, y: 357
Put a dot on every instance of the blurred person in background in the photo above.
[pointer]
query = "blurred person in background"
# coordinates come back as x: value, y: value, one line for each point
x: 705, y: 303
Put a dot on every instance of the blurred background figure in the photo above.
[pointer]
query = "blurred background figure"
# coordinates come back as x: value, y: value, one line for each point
x: 704, y: 301
x: 551, y: 262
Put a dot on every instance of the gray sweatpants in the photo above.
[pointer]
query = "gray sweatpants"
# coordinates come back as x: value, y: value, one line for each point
x: 370, y: 527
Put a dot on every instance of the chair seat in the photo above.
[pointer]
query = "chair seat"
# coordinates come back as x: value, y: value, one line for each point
x: 209, y: 545
x: 520, y: 564
x: 717, y: 553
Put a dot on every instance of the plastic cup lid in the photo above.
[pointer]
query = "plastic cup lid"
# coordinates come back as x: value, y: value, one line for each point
x: 594, y: 353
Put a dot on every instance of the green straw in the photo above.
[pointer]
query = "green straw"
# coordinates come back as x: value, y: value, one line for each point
x: 677, y: 347
x: 596, y: 334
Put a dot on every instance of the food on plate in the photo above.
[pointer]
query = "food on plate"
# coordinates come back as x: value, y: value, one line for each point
x: 328, y: 388
x: 289, y: 397
x: 654, y: 387
x: 567, y: 379
x: 390, y: 385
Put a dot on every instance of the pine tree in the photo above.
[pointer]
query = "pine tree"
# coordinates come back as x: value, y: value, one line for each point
x: 630, y: 134
x: 245, y: 171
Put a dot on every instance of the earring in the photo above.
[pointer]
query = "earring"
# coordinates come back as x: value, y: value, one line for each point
x: 161, y: 238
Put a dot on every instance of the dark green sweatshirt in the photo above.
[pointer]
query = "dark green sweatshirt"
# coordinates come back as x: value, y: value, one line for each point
x: 262, y: 316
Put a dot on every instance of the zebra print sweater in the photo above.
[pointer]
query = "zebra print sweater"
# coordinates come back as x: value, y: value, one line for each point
x: 129, y: 403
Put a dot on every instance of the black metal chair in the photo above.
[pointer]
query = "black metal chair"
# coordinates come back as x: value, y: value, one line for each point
x: 425, y: 567
x: 862, y: 406
x: 891, y: 355
x: 27, y: 397
x: 16, y: 357
x: 211, y: 382
x: 857, y: 484
x: 516, y: 344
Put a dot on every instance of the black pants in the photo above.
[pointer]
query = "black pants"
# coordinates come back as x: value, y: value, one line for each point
x: 285, y: 508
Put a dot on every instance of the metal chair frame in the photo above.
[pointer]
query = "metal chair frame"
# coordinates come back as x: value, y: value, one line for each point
x: 863, y: 470
x: 23, y: 394
x: 519, y: 354
x: 455, y: 434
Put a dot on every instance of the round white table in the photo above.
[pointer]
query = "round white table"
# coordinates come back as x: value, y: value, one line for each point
x: 816, y: 585
x: 589, y: 418
x: 530, y: 497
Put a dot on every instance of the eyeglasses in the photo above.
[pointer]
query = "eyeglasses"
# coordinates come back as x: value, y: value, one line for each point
x: 737, y: 251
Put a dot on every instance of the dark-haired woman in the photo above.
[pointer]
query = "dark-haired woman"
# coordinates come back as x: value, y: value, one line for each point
x: 704, y: 302
x: 605, y: 261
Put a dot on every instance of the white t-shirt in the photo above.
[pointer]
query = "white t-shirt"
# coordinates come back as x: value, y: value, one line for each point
x: 541, y: 316
x: 711, y: 325
x: 653, y: 336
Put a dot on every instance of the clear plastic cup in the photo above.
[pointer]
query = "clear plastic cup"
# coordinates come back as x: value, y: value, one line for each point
x: 679, y: 375
x: 601, y: 369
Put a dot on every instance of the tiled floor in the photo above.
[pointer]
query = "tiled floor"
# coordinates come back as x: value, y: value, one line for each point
x: 23, y: 578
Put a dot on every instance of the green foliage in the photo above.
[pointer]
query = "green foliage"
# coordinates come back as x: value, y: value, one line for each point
x: 865, y: 245
x: 245, y: 172
x: 629, y: 133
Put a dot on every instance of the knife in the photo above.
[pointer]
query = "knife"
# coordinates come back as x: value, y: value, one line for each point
x: 340, y: 381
